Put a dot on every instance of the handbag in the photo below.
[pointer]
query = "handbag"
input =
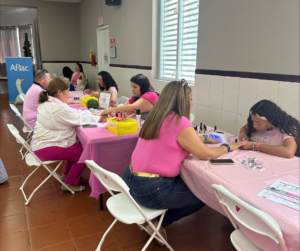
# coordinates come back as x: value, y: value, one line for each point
x: 3, y: 173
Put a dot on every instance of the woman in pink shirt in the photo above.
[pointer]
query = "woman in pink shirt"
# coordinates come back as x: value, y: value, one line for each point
x: 144, y: 97
x: 165, y: 140
x: 271, y: 131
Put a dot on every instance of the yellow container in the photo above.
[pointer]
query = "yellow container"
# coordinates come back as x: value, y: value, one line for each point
x: 83, y: 100
x: 121, y: 127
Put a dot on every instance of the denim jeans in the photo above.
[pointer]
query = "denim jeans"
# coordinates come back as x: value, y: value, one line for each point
x: 163, y: 193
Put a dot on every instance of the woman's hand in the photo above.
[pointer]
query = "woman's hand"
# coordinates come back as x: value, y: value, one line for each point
x: 247, y: 146
x: 106, y: 112
x: 236, y: 145
x: 212, y: 141
x: 243, y: 136
x: 87, y: 91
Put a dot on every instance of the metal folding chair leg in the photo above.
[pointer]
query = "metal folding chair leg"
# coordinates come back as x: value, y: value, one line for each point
x: 106, y: 232
x: 21, y: 150
x: 52, y: 173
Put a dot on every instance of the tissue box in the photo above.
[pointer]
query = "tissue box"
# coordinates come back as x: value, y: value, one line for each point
x: 83, y: 100
x: 121, y: 127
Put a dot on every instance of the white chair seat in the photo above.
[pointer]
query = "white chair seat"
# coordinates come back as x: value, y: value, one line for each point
x: 25, y: 130
x: 241, y: 242
x: 32, y: 161
x: 121, y: 207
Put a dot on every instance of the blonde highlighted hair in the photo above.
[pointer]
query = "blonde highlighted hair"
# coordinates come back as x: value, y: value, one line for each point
x: 175, y: 98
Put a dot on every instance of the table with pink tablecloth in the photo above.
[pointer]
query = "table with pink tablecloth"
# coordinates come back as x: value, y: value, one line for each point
x: 246, y: 184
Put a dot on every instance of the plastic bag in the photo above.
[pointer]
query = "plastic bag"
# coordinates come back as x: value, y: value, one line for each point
x: 3, y: 173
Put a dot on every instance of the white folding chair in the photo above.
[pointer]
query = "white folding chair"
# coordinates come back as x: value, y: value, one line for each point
x: 122, y: 100
x: 250, y: 217
x: 22, y: 96
x: 123, y: 207
x: 25, y: 130
x: 192, y: 117
x: 32, y: 160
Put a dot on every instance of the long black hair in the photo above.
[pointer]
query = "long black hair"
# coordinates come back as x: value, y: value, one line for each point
x: 80, y: 67
x: 278, y: 118
x: 67, y: 72
x: 144, y: 83
x: 107, y: 80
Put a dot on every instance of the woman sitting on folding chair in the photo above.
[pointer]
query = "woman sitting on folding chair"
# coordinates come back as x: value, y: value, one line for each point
x: 165, y: 140
x: 54, y: 134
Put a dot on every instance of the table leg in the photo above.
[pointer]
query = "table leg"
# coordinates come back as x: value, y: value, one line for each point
x: 101, y: 201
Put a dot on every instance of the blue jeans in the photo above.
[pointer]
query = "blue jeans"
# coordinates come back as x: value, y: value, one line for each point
x: 163, y: 193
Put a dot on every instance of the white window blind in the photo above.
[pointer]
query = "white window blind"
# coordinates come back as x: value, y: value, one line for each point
x: 179, y: 33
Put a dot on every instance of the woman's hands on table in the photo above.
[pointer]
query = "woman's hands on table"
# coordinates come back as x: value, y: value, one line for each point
x: 87, y: 91
x: 243, y: 136
x: 247, y: 146
x: 239, y: 144
x: 212, y: 141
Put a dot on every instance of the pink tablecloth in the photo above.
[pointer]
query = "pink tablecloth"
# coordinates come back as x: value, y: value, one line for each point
x: 246, y: 184
x: 108, y: 150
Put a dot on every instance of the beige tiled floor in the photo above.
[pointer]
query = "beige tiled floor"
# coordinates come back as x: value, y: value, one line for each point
x: 59, y: 221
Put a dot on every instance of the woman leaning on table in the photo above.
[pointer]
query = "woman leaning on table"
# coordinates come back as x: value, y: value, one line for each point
x: 54, y: 135
x: 271, y: 130
x: 165, y: 140
x: 106, y: 84
x: 144, y: 97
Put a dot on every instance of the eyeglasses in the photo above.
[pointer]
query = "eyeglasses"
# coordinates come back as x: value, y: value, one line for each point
x: 44, y: 72
x: 184, y: 83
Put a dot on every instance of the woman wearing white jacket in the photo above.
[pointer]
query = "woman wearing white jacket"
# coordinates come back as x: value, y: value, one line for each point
x: 54, y: 134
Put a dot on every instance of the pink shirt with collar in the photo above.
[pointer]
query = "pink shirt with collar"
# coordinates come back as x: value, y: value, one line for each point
x: 31, y: 104
x: 164, y: 155
x: 152, y: 97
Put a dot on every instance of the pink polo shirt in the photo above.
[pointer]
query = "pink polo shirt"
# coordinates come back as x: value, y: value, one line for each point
x: 164, y: 155
x: 152, y: 97
x: 31, y: 104
x: 272, y: 138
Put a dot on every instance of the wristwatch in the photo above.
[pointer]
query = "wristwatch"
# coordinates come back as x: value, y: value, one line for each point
x: 227, y: 146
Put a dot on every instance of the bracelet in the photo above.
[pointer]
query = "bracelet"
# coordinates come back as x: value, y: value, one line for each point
x: 256, y: 147
x: 227, y: 146
x: 254, y: 144
x: 205, y: 139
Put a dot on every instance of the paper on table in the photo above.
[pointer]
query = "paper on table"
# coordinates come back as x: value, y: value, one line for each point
x: 284, y: 193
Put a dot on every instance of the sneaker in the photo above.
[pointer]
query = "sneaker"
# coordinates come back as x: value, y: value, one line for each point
x: 72, y: 187
x: 147, y: 228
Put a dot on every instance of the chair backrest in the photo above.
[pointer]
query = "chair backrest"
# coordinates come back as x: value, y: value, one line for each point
x: 123, y: 100
x: 251, y: 217
x: 192, y: 117
x: 22, y: 96
x: 113, y: 182
x: 16, y: 110
x: 110, y: 180
x: 15, y: 132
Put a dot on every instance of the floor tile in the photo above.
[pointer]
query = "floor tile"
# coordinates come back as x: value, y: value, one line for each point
x: 78, y: 208
x: 11, y: 172
x: 12, y: 182
x: 90, y: 243
x: 13, y: 207
x: 45, y: 236
x: 86, y: 225
x: 13, y: 224
x: 44, y: 193
x: 108, y: 218
x: 14, y: 242
x: 44, y: 216
x: 67, y: 197
x: 66, y: 246
x: 216, y: 237
x: 9, y: 194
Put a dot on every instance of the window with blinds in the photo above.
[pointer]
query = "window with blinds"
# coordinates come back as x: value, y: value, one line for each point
x: 179, y: 33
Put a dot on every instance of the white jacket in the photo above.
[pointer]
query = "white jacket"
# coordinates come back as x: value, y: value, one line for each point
x: 56, y: 123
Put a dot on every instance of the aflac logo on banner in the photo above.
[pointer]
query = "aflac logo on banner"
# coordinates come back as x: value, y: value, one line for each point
x: 18, y: 67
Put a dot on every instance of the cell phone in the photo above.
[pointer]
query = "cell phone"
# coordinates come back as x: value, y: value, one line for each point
x: 221, y: 161
x: 89, y: 126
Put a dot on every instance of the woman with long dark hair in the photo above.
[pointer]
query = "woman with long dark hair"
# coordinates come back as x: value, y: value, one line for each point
x: 144, y: 97
x: 106, y: 84
x: 271, y: 130
x: 78, y: 78
x: 68, y: 73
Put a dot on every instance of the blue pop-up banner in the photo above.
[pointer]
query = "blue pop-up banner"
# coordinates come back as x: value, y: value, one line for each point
x: 19, y: 77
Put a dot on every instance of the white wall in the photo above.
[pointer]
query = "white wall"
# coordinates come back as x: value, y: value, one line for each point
x: 16, y: 19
